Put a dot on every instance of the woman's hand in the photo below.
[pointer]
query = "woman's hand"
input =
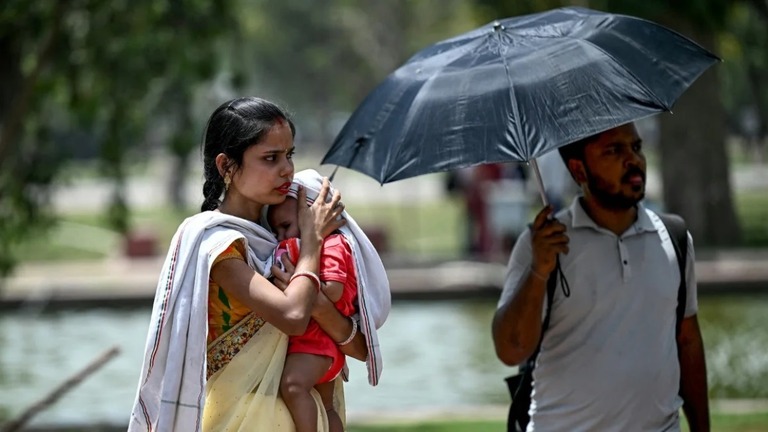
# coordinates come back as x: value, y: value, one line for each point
x: 321, y: 218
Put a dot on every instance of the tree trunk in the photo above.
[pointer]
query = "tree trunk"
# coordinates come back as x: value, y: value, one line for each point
x: 12, y: 121
x: 757, y: 78
x: 181, y: 144
x: 694, y: 163
x: 10, y: 75
x: 177, y: 181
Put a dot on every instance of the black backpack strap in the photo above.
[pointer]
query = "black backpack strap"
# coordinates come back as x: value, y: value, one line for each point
x: 551, y: 286
x: 678, y: 233
x: 521, y: 384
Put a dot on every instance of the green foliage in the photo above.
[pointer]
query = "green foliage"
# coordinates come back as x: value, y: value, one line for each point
x: 752, y: 208
x: 104, y: 70
x: 707, y: 15
x: 21, y: 205
x: 322, y: 58
x: 744, y: 48
x: 434, y: 426
x: 742, y: 25
x: 489, y: 10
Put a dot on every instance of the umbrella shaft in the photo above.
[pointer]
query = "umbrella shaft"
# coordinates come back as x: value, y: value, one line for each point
x: 537, y: 174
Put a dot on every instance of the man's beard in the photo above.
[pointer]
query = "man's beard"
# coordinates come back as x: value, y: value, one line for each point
x: 617, y: 200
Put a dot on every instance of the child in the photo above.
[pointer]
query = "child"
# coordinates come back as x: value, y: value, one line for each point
x: 314, y: 359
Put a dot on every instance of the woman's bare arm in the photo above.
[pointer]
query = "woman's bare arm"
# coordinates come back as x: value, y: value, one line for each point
x: 288, y: 310
x: 339, y: 327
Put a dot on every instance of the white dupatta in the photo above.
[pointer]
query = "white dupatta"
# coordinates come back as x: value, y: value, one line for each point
x: 171, y: 392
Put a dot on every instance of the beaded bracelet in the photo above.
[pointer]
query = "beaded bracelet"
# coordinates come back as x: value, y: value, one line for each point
x: 351, y: 335
x: 312, y: 276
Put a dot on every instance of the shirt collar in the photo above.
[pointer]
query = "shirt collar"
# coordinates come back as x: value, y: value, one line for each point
x: 580, y: 219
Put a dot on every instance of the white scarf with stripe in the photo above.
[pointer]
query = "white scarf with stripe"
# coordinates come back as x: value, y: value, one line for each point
x: 171, y: 393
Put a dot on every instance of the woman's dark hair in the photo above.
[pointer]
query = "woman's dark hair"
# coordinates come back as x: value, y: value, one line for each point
x: 232, y: 128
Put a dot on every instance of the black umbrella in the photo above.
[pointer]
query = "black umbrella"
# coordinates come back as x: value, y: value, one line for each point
x: 515, y: 89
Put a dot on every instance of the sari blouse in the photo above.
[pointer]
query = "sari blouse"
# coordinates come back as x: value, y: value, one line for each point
x: 224, y: 311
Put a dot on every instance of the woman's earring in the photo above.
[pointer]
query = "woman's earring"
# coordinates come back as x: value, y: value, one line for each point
x: 227, y: 181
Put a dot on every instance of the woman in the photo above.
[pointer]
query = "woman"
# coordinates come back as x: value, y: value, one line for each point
x: 219, y: 330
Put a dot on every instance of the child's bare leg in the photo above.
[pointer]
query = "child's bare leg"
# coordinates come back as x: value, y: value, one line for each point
x: 300, y: 374
x: 326, y: 394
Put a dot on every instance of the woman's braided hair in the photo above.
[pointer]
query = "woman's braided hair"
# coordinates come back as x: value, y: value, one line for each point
x: 232, y: 128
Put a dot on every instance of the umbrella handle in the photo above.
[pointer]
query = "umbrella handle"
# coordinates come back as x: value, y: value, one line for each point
x: 537, y: 174
x: 333, y: 174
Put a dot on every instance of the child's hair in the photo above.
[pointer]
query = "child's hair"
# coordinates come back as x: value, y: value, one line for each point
x: 232, y: 128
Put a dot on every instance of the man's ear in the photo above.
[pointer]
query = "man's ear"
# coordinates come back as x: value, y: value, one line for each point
x: 576, y: 167
x: 223, y: 164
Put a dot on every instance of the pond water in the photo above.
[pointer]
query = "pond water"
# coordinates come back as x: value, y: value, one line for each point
x: 438, y: 355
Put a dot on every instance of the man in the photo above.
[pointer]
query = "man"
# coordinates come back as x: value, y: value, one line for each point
x: 609, y: 359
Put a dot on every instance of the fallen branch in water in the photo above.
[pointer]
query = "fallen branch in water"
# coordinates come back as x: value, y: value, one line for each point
x: 58, y: 392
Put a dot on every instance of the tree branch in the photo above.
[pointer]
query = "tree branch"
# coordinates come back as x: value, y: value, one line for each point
x: 70, y: 383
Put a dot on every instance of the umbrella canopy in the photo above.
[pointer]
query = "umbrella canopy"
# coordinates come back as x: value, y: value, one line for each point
x: 515, y: 89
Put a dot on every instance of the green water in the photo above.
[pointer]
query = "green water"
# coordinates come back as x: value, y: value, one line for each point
x: 735, y: 332
x: 437, y: 355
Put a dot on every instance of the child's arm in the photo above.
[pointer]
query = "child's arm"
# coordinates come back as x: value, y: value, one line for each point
x: 335, y: 264
x: 333, y: 290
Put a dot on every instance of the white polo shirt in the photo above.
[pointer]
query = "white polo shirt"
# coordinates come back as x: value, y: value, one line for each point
x: 609, y: 358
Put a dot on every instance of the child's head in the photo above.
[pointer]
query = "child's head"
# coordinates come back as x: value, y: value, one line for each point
x: 283, y: 218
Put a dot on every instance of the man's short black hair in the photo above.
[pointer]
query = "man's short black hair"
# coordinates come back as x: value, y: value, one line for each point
x: 575, y: 150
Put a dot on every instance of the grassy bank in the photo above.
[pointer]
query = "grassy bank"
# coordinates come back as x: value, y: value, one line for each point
x: 430, y: 229
x: 721, y: 422
x: 435, y: 229
x: 752, y: 210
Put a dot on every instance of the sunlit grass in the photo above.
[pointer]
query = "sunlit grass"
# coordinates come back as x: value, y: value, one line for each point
x: 88, y: 236
x: 434, y: 426
x: 752, y: 210
x: 734, y: 335
x: 757, y: 422
x: 721, y: 422
x: 432, y: 229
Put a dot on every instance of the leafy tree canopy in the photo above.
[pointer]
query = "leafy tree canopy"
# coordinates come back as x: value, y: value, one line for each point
x: 102, y: 68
